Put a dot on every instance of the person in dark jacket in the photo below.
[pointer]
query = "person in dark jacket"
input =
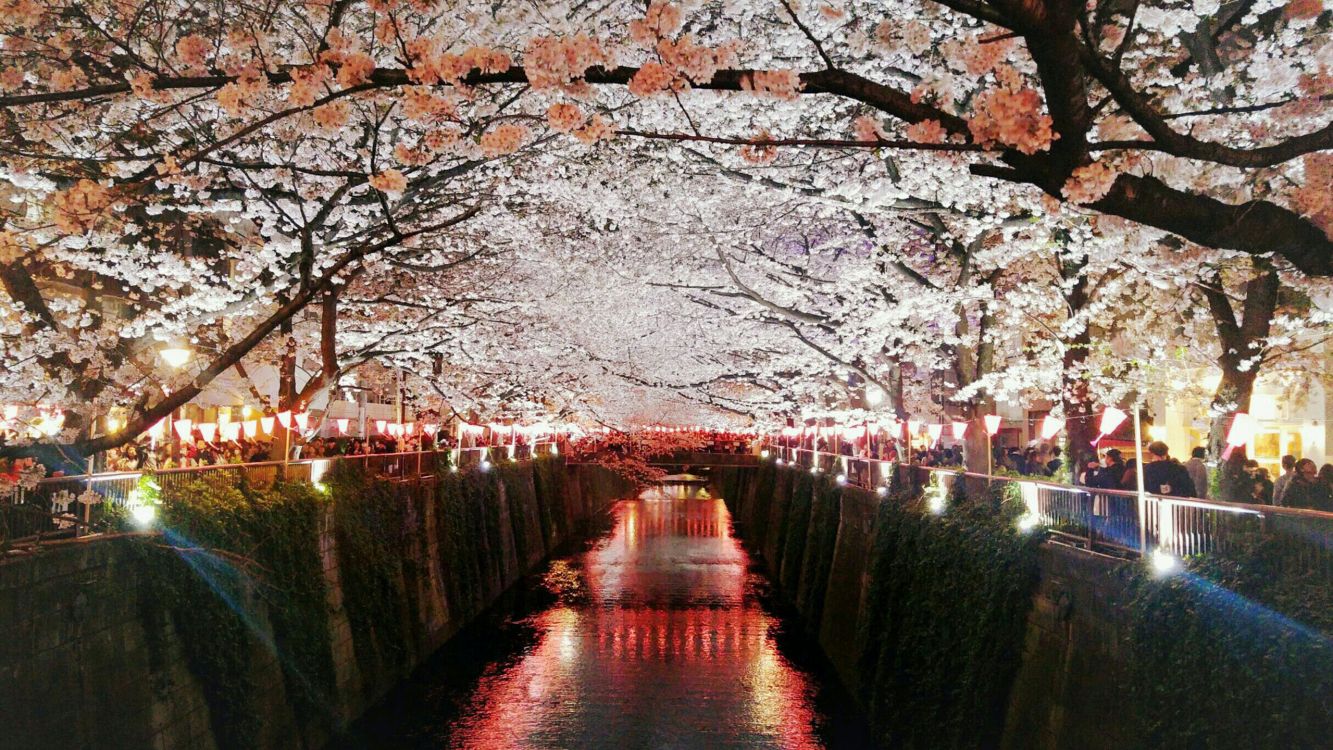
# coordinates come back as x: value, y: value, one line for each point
x: 1163, y: 475
x: 1305, y: 490
x: 1113, y: 469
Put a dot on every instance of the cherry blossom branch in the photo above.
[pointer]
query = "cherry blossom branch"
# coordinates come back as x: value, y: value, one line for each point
x: 902, y: 145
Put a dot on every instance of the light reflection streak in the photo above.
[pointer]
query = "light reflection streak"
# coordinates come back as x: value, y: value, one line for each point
x: 671, y: 650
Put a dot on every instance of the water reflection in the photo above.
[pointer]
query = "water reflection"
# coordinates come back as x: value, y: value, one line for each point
x: 657, y: 637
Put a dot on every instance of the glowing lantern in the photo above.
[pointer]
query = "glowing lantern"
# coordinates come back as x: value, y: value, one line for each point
x: 935, y: 431
x: 285, y: 419
x: 1051, y: 426
x: 913, y: 427
x: 1241, y: 432
x: 267, y: 424
x: 429, y: 428
x: 182, y: 428
x: 1111, y: 419
x: 959, y: 430
x: 302, y: 421
x: 341, y: 424
x: 231, y: 431
x: 158, y: 429
x: 251, y: 427
x: 11, y: 411
x: 381, y: 424
x: 209, y: 431
x: 992, y: 424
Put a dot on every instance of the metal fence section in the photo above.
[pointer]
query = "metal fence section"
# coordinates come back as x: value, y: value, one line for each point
x: 73, y: 506
x: 1118, y: 521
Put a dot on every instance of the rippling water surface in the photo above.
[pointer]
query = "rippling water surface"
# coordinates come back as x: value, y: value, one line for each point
x: 658, y: 634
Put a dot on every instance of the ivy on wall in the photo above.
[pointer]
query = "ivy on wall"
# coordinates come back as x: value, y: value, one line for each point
x: 368, y: 522
x: 226, y: 549
x: 1236, y: 653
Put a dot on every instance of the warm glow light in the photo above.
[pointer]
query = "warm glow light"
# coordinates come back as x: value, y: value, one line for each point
x: 231, y: 431
x: 874, y: 396
x: 318, y: 468
x: 341, y: 424
x: 143, y: 515
x: 251, y: 427
x: 175, y: 356
x: 267, y: 424
x: 11, y: 411
x: 1263, y: 406
x: 208, y: 430
x: 959, y: 430
x: 1157, y: 432
x: 936, y: 431
x: 285, y: 419
x: 302, y: 421
x: 841, y: 479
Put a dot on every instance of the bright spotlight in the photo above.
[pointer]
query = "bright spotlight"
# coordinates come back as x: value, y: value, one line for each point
x: 763, y: 453
x: 1164, y: 563
x: 485, y: 465
x: 1028, y: 522
x: 842, y: 479
x: 143, y: 515
x: 778, y: 462
x: 814, y: 469
x: 882, y: 490
x: 938, y: 501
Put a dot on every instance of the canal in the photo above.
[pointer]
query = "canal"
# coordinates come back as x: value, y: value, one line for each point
x: 658, y: 632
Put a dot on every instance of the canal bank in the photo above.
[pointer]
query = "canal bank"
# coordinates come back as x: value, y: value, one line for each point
x: 269, y: 617
x: 953, y: 628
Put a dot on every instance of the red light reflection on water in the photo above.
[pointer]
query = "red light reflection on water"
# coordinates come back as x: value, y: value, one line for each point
x: 669, y: 650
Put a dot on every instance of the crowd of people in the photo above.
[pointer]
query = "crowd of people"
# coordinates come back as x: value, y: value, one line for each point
x: 143, y: 455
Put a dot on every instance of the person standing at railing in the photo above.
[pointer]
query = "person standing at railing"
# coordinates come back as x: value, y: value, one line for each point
x: 1280, y: 486
x: 1306, y: 491
x: 1198, y: 471
x: 1164, y: 475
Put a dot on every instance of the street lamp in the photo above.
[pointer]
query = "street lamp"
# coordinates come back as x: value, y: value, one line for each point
x: 175, y: 356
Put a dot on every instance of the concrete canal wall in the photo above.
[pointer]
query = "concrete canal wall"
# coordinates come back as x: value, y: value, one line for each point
x: 302, y: 608
x: 957, y: 630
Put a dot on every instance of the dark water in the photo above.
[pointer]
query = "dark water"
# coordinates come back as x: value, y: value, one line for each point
x: 660, y: 633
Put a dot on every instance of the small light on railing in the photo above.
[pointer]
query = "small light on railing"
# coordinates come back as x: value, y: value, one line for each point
x: 777, y: 462
x: 814, y: 469
x: 1164, y: 563
x: 318, y: 468
x: 938, y: 501
x: 882, y: 490
x: 763, y: 453
x: 1028, y: 522
x: 841, y: 479
x: 320, y: 487
x: 143, y: 515
x: 485, y: 465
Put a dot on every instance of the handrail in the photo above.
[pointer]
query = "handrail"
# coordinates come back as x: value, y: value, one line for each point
x: 1123, y: 521
x: 1225, y: 505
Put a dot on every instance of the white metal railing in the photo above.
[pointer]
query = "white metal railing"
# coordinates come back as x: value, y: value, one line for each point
x: 64, y: 505
x: 1127, y: 521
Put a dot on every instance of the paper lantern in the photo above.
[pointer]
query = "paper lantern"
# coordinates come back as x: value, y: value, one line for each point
x: 935, y: 431
x: 251, y: 427
x: 429, y: 428
x: 913, y: 427
x: 959, y: 430
x: 302, y: 421
x: 285, y: 419
x: 209, y: 431
x: 341, y: 424
x: 267, y: 423
x: 1241, y: 432
x: 992, y: 424
x: 157, y: 430
x: 1051, y: 426
x: 852, y: 434
x: 230, y: 431
x: 410, y: 428
x: 182, y: 428
x: 381, y: 424
x: 1111, y: 419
